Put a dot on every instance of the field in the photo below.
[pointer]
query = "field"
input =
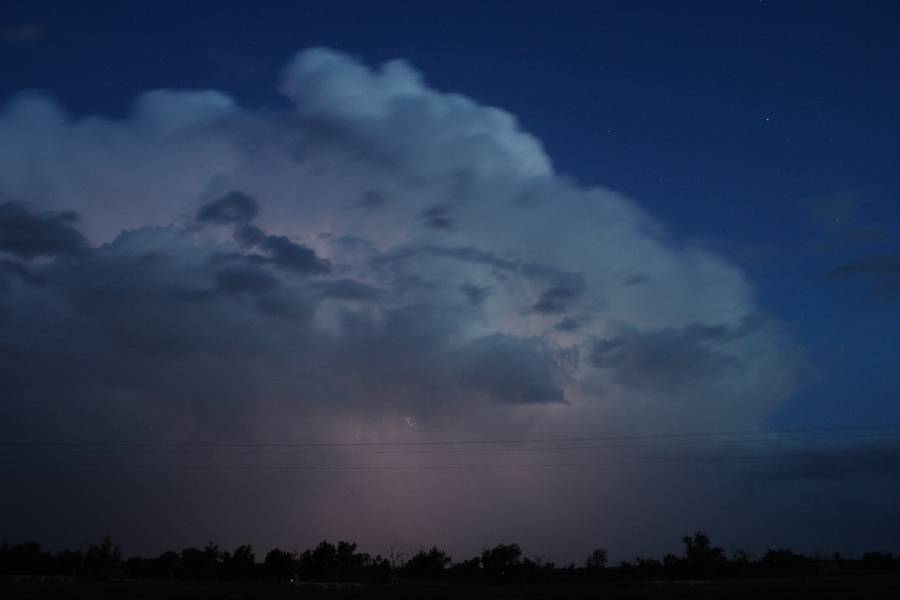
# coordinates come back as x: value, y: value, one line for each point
x: 861, y: 585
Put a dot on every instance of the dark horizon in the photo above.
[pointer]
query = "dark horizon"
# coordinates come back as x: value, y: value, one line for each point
x: 699, y: 557
x: 795, y: 450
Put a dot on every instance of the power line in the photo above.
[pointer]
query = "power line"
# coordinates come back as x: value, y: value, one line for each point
x: 474, y: 467
x: 463, y: 442
x: 255, y: 451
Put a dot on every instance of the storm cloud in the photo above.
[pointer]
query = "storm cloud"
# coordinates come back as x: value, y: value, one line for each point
x: 214, y: 272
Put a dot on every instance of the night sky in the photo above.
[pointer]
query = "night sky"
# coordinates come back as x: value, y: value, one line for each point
x: 597, y: 238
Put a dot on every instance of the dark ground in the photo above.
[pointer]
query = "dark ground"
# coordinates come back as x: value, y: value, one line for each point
x: 861, y: 585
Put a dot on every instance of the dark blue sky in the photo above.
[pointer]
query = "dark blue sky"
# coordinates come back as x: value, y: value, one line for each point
x: 767, y: 130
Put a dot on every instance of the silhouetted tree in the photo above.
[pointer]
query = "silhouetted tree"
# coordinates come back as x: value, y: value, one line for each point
x: 240, y: 565
x: 200, y: 564
x: 596, y: 560
x: 347, y: 561
x: 648, y: 568
x: 29, y: 558
x: 501, y: 560
x: 380, y: 568
x: 103, y: 560
x: 427, y: 563
x: 537, y: 569
x: 672, y: 562
x: 280, y: 565
x: 166, y: 564
x: 701, y: 554
x: 69, y: 563
x: 137, y: 568
x: 162, y: 567
x: 319, y: 562
x: 467, y: 569
x: 740, y: 562
x: 785, y: 561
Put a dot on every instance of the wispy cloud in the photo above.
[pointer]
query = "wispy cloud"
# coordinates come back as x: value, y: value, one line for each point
x: 882, y: 272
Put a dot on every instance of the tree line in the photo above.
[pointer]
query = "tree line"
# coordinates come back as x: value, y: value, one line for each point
x: 342, y: 562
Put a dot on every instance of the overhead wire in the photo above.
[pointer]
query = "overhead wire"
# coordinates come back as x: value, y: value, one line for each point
x: 441, y: 467
x: 291, y: 451
x: 781, y: 439
x: 414, y: 443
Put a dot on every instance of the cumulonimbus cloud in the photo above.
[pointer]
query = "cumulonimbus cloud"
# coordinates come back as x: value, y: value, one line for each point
x: 378, y: 254
x: 376, y: 213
